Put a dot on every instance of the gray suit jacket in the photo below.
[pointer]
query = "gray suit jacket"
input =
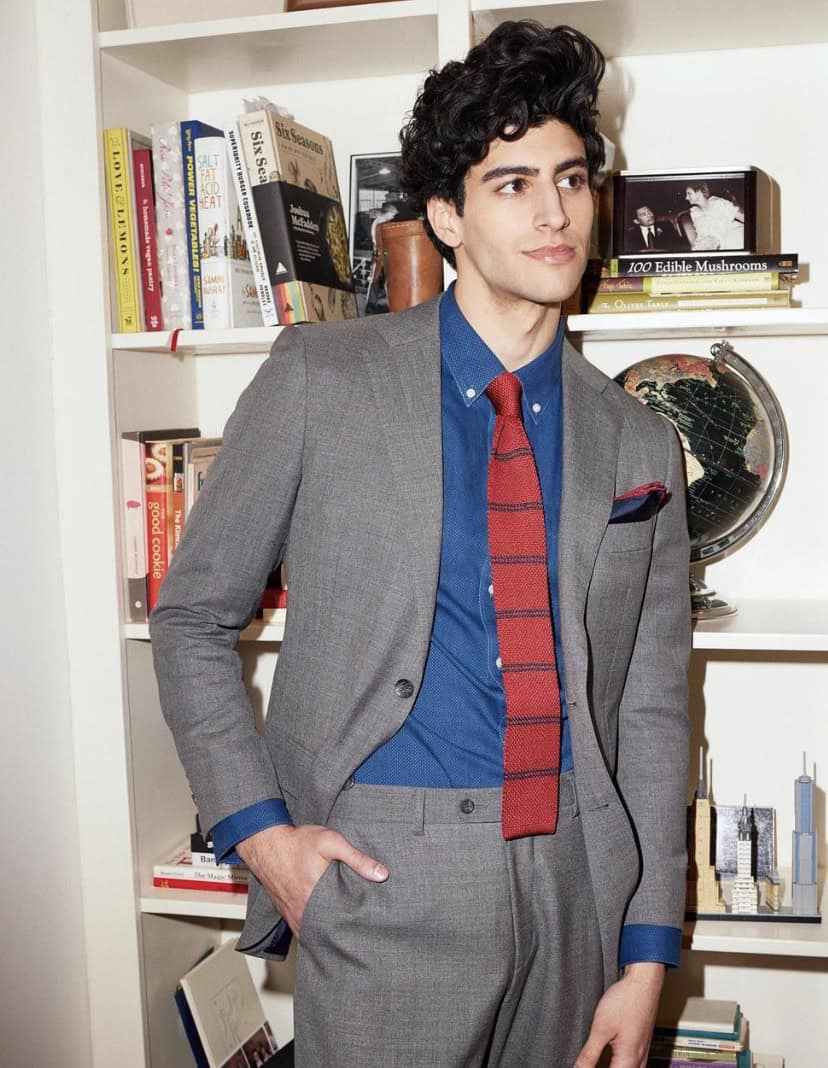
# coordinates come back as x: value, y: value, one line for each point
x: 333, y: 461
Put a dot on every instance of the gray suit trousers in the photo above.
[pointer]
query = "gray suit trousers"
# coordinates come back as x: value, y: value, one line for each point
x: 474, y: 952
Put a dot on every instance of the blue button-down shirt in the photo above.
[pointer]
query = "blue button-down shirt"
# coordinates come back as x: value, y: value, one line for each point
x: 453, y: 735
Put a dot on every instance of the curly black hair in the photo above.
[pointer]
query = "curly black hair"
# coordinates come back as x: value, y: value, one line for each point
x: 520, y: 76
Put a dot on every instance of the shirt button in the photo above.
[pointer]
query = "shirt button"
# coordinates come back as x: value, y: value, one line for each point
x: 499, y: 662
x: 536, y: 408
x: 470, y: 393
x: 350, y: 783
x: 467, y: 806
x: 404, y: 688
x: 491, y: 590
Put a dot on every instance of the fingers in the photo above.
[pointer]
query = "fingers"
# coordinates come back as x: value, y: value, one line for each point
x: 334, y: 846
x: 591, y: 1051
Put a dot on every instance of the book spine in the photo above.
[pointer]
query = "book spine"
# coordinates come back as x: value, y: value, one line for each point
x: 145, y: 211
x: 133, y: 531
x: 250, y: 225
x: 699, y: 263
x: 221, y: 873
x: 188, y: 163
x: 157, y: 519
x: 667, y: 285
x: 177, y: 496
x: 610, y: 303
x: 205, y: 860
x: 121, y: 220
x: 211, y: 197
x: 170, y: 214
x: 175, y: 883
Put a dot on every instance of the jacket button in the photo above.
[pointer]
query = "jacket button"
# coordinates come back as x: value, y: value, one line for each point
x: 404, y: 688
x: 467, y: 806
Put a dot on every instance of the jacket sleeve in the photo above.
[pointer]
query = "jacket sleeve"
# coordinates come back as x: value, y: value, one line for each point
x: 653, y: 730
x: 234, y: 535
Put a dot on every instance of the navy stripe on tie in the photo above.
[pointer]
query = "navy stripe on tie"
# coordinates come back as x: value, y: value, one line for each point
x: 528, y: 667
x: 531, y: 721
x: 518, y: 559
x: 522, y: 506
x: 534, y: 773
x: 522, y: 613
x: 512, y: 454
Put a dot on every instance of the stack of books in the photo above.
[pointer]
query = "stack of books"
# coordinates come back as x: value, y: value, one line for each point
x: 196, y: 869
x: 695, y: 281
x: 215, y: 228
x: 162, y: 474
x: 707, y: 1032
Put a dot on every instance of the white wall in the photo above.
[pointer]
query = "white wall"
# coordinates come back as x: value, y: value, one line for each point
x: 44, y: 1017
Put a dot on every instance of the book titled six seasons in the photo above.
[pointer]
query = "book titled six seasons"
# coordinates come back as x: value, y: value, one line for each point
x: 299, y: 211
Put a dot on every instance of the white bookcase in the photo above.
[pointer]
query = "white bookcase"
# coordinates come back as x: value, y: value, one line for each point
x: 712, y: 84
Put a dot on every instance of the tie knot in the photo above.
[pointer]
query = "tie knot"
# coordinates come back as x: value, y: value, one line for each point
x: 504, y: 393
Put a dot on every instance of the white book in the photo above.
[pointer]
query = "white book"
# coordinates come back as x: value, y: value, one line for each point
x: 250, y: 222
x: 225, y: 1009
x: 171, y: 229
x: 228, y: 290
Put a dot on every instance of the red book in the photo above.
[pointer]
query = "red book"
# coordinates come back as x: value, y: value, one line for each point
x: 147, y: 248
x: 157, y: 491
x: 198, y: 884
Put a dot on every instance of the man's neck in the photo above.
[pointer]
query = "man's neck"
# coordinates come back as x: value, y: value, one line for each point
x: 515, y: 331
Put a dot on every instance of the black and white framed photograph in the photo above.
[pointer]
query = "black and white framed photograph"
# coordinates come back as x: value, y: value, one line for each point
x: 375, y: 198
x: 691, y: 211
x: 762, y: 839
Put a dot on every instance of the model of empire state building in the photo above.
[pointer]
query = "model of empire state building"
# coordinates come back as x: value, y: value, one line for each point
x: 745, y: 891
x: 703, y: 892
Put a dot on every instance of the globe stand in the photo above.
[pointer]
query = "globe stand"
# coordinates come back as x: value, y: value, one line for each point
x: 704, y: 602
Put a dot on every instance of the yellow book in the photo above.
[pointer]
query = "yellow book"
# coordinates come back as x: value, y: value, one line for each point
x: 118, y: 161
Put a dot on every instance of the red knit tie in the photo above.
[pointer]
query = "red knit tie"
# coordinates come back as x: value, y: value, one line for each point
x: 520, y: 576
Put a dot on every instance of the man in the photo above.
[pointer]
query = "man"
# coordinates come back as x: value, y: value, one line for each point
x: 650, y: 234
x: 469, y: 799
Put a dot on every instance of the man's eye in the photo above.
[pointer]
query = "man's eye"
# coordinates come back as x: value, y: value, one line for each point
x: 574, y: 181
x: 515, y: 185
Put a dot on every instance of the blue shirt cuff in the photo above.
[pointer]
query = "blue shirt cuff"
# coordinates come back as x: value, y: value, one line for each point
x: 228, y: 832
x: 649, y: 942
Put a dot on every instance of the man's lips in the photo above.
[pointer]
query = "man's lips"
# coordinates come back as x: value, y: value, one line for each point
x: 552, y: 253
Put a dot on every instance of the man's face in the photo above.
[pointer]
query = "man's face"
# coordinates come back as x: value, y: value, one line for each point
x: 693, y: 196
x: 525, y: 229
x: 644, y: 216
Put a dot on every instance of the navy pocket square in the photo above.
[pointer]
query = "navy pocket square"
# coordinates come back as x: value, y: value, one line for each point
x: 638, y: 504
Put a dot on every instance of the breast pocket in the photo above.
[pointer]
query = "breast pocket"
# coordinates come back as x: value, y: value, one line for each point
x: 627, y: 537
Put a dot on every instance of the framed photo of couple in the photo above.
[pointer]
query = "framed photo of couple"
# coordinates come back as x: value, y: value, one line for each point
x: 688, y: 211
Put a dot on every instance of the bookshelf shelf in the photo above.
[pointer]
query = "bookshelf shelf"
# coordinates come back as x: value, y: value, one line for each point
x: 637, y: 28
x: 762, y: 322
x: 324, y: 45
x: 773, y: 626
x: 624, y: 327
x: 199, y: 342
x: 212, y: 904
x: 762, y: 938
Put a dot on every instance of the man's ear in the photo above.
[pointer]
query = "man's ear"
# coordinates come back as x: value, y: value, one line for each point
x: 445, y: 222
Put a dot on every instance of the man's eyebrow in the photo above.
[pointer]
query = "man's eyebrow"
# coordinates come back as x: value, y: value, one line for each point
x: 532, y: 172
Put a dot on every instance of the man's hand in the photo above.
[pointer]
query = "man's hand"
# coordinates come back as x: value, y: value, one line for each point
x: 289, y: 862
x: 624, y: 1019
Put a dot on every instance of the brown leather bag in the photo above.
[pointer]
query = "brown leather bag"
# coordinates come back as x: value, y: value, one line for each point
x: 412, y: 266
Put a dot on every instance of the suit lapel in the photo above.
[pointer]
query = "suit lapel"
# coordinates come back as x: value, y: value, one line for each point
x: 406, y: 384
x: 591, y: 438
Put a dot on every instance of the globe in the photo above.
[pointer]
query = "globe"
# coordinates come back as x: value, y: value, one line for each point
x: 735, y: 446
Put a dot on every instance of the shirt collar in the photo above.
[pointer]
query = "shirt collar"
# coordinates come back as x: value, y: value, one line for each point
x: 473, y: 365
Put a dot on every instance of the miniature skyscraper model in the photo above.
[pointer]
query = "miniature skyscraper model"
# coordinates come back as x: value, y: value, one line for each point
x: 745, y: 892
x: 703, y: 893
x: 804, y: 847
